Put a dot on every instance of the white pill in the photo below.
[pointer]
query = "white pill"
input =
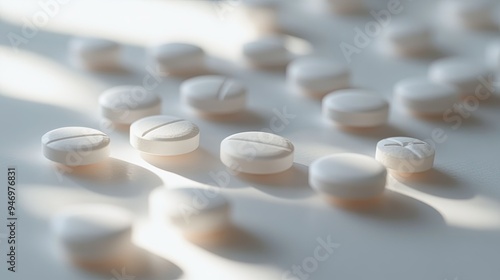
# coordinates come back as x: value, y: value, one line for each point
x: 75, y: 146
x: 405, y: 155
x: 179, y: 59
x: 194, y: 211
x: 267, y: 52
x: 407, y: 38
x: 347, y: 176
x: 94, y: 235
x: 262, y: 14
x: 94, y: 53
x: 356, y: 108
x: 425, y: 97
x: 493, y: 55
x: 126, y: 104
x: 465, y: 74
x: 317, y: 76
x: 164, y: 135
x: 474, y: 14
x: 344, y: 6
x: 214, y: 94
x: 257, y: 153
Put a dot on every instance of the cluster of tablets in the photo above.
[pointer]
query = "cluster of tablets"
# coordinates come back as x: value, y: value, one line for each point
x: 95, y: 234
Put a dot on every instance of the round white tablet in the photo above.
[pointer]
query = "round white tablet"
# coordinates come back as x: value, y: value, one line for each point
x: 94, y: 53
x: 493, y: 55
x: 94, y: 233
x: 318, y: 76
x: 425, y: 97
x: 408, y: 37
x: 356, y: 108
x: 126, y: 104
x: 348, y: 176
x: 344, y: 6
x: 267, y: 52
x: 474, y: 14
x: 462, y: 73
x: 194, y: 211
x: 405, y: 155
x: 214, y: 94
x: 75, y: 146
x: 164, y: 135
x: 257, y: 153
x: 179, y: 58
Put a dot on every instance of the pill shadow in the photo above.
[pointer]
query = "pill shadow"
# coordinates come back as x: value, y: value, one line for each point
x: 239, y: 245
x: 113, y: 177
x: 197, y: 165
x: 398, y: 209
x: 159, y: 268
x: 436, y: 182
x: 379, y: 132
x: 245, y: 117
x: 290, y: 184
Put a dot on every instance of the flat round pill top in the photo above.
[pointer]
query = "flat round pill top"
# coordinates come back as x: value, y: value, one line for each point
x: 128, y: 97
x: 74, y: 138
x: 212, y: 87
x: 164, y: 128
x: 405, y: 148
x: 172, y: 52
x: 91, y: 222
x: 91, y: 44
x: 313, y: 68
x: 423, y: 89
x: 255, y: 144
x: 265, y: 45
x: 355, y: 100
x: 346, y: 169
x: 457, y: 70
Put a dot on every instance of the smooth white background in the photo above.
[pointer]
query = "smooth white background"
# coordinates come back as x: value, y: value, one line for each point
x: 445, y: 225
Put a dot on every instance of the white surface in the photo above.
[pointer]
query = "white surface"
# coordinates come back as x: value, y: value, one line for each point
x: 356, y: 108
x: 424, y: 97
x: 214, y: 94
x: 442, y: 226
x: 256, y: 152
x: 348, y: 176
x: 405, y: 154
x: 127, y: 104
x: 75, y: 146
x: 164, y: 135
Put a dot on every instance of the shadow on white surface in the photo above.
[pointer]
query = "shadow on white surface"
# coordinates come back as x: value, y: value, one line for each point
x: 438, y: 183
x: 114, y: 177
x: 290, y: 184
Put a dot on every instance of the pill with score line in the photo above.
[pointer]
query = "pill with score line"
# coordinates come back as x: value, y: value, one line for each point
x: 257, y: 152
x: 164, y: 135
x: 75, y: 146
x: 405, y: 154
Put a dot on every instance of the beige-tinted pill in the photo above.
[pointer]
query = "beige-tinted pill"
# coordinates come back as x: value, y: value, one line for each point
x: 257, y: 153
x: 164, y: 135
x: 94, y: 53
x: 179, y: 59
x: 75, y: 146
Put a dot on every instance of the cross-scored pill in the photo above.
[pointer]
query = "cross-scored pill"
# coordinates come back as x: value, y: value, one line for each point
x: 405, y: 154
